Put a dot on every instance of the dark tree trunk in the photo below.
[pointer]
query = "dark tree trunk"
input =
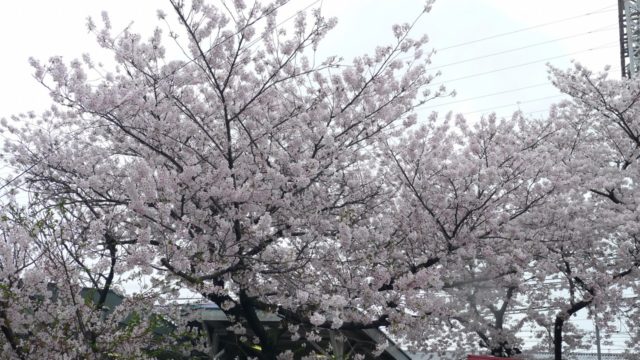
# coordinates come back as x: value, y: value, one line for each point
x: 269, y: 346
x: 557, y: 338
x: 559, y: 323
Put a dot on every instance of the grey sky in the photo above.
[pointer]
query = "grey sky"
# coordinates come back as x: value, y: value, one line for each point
x: 42, y: 28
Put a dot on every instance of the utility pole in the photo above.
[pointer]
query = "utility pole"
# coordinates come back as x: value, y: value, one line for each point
x: 598, y: 349
x: 629, y: 25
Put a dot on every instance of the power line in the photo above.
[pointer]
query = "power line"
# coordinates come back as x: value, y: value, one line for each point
x: 598, y: 11
x: 606, y: 46
x: 10, y: 181
x: 510, y: 67
x: 485, y: 95
x: 607, y: 28
x: 512, y: 104
x: 503, y: 106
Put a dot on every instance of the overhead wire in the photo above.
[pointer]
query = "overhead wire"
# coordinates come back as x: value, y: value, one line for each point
x: 605, y: 46
x: 590, y: 13
x: 443, y: 82
x: 501, y: 106
x: 508, y: 91
x: 13, y: 179
x: 512, y: 104
x: 605, y: 29
x: 429, y: 106
x: 505, y: 91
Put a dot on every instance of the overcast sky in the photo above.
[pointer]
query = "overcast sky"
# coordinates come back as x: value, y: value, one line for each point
x: 570, y: 31
x: 554, y: 31
x: 42, y: 28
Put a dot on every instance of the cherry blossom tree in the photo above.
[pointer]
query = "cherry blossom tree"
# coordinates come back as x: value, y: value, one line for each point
x: 582, y: 253
x: 584, y: 257
x: 475, y: 191
x: 57, y: 297
x: 245, y: 172
x: 597, y: 256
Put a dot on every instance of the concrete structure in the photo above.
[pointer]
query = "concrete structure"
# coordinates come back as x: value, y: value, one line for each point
x: 223, y: 344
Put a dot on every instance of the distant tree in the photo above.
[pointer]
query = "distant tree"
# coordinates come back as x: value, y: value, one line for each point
x: 468, y: 192
x: 582, y: 246
x: 596, y: 249
x: 56, y: 297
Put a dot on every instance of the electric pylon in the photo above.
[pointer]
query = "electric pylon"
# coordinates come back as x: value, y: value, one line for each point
x: 629, y: 22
